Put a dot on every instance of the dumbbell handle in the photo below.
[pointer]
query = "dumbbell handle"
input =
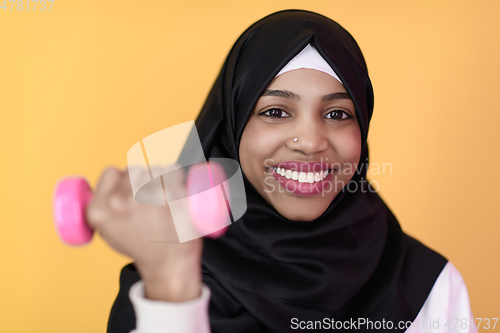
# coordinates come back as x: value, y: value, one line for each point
x: 71, y: 196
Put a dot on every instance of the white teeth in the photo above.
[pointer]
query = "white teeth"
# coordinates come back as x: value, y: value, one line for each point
x: 302, y: 177
x: 310, y: 177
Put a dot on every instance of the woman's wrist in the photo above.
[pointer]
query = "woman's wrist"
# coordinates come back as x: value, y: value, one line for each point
x: 172, y: 285
x: 172, y: 291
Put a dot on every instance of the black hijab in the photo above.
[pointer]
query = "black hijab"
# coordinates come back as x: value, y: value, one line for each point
x: 353, y: 261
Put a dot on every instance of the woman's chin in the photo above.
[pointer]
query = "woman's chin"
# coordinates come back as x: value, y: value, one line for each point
x: 305, y: 212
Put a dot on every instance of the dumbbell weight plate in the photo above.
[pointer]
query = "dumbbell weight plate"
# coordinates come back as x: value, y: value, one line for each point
x: 71, y: 196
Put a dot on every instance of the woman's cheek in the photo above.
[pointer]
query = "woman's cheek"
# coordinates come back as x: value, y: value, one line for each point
x: 262, y: 139
x: 355, y: 143
x: 255, y: 150
x: 350, y: 150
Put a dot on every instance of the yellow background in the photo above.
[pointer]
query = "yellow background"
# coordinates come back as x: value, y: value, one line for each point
x: 81, y: 84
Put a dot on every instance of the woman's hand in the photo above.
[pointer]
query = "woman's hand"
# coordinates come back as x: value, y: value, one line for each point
x: 146, y: 233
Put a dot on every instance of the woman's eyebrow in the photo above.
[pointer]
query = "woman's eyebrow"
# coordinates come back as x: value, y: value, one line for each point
x: 290, y: 95
x: 337, y: 95
x: 281, y: 93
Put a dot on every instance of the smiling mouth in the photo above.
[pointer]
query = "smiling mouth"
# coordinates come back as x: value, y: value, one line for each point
x: 302, y: 177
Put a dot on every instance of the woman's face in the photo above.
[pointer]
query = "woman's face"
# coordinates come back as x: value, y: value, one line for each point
x: 315, y: 108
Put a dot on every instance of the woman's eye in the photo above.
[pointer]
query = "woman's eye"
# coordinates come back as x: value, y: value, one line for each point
x: 339, y: 115
x: 280, y: 114
x: 274, y: 113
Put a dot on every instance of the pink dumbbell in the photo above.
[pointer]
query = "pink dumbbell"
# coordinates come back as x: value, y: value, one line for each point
x: 71, y: 196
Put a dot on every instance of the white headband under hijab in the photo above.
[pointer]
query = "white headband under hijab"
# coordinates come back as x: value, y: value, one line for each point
x: 309, y: 58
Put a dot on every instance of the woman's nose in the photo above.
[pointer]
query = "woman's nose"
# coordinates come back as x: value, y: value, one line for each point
x: 308, y: 138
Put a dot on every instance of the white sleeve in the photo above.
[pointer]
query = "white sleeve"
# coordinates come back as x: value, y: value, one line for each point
x: 447, y: 308
x: 175, y: 317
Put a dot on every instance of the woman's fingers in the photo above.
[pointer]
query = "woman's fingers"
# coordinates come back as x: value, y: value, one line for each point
x: 96, y: 211
x: 114, y: 198
x: 108, y: 181
x: 121, y: 196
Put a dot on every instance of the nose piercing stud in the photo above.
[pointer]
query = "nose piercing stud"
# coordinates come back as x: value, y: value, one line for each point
x: 295, y: 139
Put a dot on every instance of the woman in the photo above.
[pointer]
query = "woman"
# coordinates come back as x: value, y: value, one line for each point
x: 294, y: 96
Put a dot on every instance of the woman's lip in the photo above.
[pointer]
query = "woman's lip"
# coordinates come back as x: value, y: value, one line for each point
x: 305, y: 166
x: 302, y: 189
